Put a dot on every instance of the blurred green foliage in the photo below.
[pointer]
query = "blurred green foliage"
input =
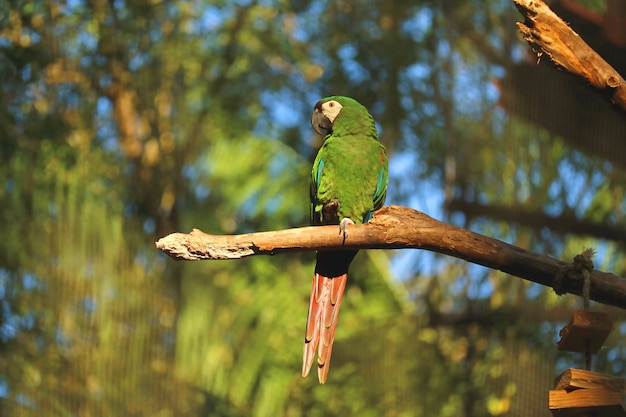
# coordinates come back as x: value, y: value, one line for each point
x: 123, y: 121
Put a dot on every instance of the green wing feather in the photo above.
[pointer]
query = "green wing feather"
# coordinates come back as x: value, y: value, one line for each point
x: 351, y: 167
x: 381, y: 190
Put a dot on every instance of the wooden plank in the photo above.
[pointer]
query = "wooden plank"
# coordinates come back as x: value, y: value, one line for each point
x: 580, y: 378
x: 586, y: 330
x: 583, y: 402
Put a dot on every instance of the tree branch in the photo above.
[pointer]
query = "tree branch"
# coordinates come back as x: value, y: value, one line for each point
x: 548, y: 34
x: 396, y: 227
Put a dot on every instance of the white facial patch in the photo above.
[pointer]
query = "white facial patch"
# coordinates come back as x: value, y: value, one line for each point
x: 331, y: 110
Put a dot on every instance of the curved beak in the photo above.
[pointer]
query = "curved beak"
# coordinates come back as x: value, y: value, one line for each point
x: 321, y: 124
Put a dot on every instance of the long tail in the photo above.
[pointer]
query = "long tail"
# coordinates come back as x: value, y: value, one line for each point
x: 329, y: 283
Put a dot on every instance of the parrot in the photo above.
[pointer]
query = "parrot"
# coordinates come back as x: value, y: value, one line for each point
x: 348, y: 183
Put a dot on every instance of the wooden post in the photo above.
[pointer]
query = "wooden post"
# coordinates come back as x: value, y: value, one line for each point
x: 581, y: 393
x: 586, y: 332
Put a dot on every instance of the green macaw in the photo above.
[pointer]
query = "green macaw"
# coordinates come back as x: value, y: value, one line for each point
x: 348, y: 183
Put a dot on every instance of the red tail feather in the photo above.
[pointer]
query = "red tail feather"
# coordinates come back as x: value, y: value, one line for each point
x: 326, y: 296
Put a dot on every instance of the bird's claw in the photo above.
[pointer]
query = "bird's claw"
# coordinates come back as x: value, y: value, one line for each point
x: 343, y: 227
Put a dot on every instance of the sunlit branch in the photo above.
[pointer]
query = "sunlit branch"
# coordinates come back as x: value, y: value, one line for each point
x: 551, y: 37
x: 396, y: 227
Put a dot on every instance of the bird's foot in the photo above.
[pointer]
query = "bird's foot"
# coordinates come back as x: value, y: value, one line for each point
x: 343, y: 227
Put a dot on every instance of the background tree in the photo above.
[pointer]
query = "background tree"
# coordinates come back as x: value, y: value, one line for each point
x: 123, y: 121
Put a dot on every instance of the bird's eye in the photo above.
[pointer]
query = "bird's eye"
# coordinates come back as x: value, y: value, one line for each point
x: 331, y: 109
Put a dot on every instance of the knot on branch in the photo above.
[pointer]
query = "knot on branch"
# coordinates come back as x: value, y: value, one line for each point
x: 583, y: 264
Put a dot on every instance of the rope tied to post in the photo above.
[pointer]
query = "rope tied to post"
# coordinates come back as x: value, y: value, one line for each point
x: 583, y: 264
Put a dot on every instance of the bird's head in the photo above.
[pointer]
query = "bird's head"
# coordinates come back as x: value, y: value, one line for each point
x: 331, y: 113
x: 325, y: 113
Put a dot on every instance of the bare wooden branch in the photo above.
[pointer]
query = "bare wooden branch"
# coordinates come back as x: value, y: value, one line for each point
x: 396, y: 227
x: 548, y: 35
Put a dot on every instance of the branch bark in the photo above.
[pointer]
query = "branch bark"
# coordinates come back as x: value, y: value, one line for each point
x: 548, y: 34
x: 396, y: 227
